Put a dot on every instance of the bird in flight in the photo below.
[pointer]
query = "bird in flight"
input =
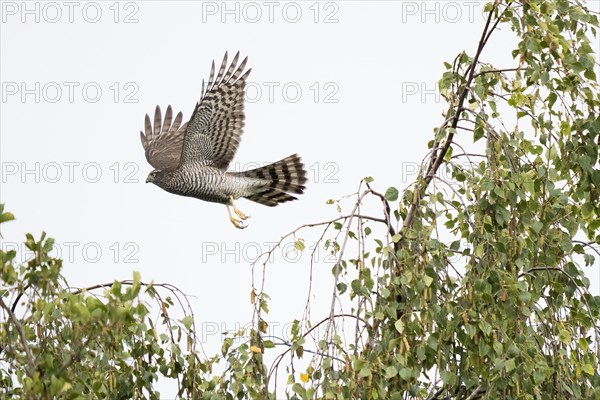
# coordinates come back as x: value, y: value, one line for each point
x: 191, y: 159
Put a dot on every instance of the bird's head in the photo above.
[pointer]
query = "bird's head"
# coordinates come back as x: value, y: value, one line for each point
x: 157, y: 177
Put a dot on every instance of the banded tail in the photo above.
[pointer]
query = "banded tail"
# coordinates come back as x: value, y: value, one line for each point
x: 281, y: 178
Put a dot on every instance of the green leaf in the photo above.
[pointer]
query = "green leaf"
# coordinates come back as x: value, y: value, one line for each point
x: 358, y: 288
x: 485, y: 327
x: 297, y: 388
x: 399, y: 325
x: 587, y: 209
x: 551, y: 99
x: 406, y: 373
x: 187, y: 321
x: 478, y: 133
x: 564, y: 336
x: 5, y: 217
x: 427, y: 280
x: 299, y: 244
x: 391, y: 372
x: 391, y: 194
x: 448, y: 377
x: 588, y: 369
x: 510, y: 365
x: 590, y: 74
x: 537, y: 226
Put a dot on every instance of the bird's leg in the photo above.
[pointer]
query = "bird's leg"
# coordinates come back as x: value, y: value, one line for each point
x: 238, y: 212
x: 236, y: 222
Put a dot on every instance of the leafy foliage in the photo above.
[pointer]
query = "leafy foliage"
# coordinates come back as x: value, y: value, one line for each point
x: 99, y: 342
x: 476, y: 289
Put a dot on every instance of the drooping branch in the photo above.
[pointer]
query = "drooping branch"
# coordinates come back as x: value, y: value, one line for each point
x: 437, y: 157
x: 21, y: 332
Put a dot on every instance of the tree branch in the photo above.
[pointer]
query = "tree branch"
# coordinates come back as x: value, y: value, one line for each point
x: 21, y: 331
x: 437, y: 158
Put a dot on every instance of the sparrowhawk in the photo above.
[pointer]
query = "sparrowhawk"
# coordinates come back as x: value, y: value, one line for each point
x: 192, y: 159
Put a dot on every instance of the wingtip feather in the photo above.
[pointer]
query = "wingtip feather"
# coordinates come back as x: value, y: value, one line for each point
x: 157, y: 121
x: 143, y: 139
x: 148, y: 126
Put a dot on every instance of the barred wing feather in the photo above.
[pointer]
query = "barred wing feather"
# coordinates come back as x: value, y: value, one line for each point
x: 163, y: 142
x: 215, y: 128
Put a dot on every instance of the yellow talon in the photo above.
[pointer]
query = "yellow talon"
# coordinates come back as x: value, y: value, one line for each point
x: 236, y: 222
x: 237, y: 211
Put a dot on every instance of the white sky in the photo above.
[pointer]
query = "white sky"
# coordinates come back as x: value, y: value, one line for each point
x: 349, y: 85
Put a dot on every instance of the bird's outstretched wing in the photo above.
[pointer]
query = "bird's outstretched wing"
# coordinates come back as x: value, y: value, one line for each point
x: 163, y: 143
x: 215, y: 128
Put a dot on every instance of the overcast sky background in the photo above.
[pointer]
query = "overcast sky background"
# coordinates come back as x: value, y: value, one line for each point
x: 348, y: 85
